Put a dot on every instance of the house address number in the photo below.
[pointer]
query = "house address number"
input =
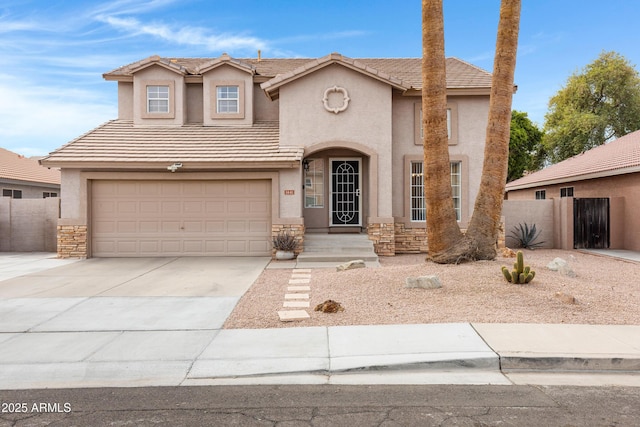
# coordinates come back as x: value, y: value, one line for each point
x: 289, y: 192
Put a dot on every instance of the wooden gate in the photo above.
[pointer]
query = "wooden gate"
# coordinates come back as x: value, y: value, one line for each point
x: 591, y: 223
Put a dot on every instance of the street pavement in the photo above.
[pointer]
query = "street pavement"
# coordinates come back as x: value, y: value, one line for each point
x: 158, y: 322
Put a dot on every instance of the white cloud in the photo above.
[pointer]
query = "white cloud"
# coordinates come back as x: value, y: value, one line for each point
x: 39, y: 119
x: 194, y: 36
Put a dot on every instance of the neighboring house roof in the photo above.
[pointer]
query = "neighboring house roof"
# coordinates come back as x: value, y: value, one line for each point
x: 16, y: 167
x: 120, y: 142
x: 406, y: 72
x: 617, y: 157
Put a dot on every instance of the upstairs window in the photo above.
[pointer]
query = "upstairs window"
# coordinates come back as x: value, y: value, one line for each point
x: 157, y: 99
x: 452, y: 124
x: 228, y: 100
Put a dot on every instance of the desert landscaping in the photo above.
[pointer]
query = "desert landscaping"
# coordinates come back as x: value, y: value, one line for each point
x: 604, y: 290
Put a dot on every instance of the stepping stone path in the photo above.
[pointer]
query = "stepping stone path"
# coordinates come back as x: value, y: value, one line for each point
x: 297, y: 297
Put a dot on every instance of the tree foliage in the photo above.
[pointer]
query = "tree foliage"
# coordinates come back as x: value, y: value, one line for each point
x: 525, y: 146
x: 597, y: 104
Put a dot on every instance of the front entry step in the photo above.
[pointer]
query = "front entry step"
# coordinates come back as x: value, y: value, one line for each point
x: 337, y: 248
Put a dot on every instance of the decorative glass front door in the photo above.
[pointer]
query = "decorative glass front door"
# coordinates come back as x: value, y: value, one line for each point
x: 345, y: 192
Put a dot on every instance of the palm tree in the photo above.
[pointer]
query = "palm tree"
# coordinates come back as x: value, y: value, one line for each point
x: 442, y: 227
x: 479, y: 242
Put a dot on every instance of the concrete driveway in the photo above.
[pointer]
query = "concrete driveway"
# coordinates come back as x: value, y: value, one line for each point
x: 44, y: 277
x: 130, y: 294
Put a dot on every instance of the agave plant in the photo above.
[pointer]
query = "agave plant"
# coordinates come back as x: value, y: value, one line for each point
x: 526, y: 236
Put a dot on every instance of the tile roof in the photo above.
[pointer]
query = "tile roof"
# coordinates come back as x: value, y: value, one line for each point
x: 460, y: 74
x: 121, y: 141
x: 614, y: 158
x: 20, y: 168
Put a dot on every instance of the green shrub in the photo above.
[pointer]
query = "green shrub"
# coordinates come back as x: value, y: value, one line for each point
x: 526, y: 236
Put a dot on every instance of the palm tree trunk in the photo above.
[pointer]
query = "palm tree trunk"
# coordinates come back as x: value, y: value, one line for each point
x: 481, y: 237
x: 442, y: 227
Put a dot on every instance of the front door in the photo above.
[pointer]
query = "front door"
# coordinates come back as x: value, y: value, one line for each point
x: 345, y: 193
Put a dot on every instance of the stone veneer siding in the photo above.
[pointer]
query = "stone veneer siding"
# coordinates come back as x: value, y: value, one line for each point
x: 296, y: 229
x: 383, y: 237
x: 72, y: 241
x: 414, y: 240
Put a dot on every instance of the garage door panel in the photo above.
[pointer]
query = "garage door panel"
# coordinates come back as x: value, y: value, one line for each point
x: 155, y: 218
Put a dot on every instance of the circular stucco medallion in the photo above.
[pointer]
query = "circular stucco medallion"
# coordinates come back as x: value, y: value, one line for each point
x: 345, y: 99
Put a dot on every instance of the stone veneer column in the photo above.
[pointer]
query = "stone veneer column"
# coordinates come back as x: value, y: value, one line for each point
x: 411, y: 240
x: 72, y: 241
x: 383, y: 237
x: 296, y: 229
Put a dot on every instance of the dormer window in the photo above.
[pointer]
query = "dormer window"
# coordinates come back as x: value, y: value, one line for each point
x: 228, y: 99
x: 157, y: 99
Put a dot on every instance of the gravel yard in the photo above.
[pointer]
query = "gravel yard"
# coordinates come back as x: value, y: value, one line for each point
x: 606, y: 291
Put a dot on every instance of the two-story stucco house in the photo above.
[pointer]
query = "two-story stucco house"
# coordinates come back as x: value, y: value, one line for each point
x: 214, y: 156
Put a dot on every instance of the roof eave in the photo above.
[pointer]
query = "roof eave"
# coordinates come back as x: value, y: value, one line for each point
x: 191, y: 166
x: 567, y: 179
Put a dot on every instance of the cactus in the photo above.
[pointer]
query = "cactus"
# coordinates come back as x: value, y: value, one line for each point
x: 521, y: 273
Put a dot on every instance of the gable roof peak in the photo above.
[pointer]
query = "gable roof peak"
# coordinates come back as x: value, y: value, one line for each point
x: 222, y: 60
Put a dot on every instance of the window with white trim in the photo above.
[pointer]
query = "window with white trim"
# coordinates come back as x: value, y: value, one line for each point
x: 157, y: 99
x: 46, y: 194
x: 418, y: 206
x: 452, y: 124
x: 541, y: 194
x: 227, y: 99
x: 314, y: 184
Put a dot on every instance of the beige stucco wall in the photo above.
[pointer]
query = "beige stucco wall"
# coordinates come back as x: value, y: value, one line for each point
x: 263, y: 108
x: 28, y: 225
x: 530, y: 212
x: 194, y: 103
x: 226, y: 74
x: 624, y: 204
x: 125, y: 101
x: 365, y: 126
x: 157, y: 75
x: 472, y: 115
x: 29, y: 190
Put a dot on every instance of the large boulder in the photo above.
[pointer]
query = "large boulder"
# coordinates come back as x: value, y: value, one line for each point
x: 423, y: 282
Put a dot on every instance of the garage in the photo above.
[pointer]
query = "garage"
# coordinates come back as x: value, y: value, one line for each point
x: 180, y: 218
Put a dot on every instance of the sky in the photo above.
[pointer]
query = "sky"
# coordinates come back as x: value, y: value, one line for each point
x: 53, y: 52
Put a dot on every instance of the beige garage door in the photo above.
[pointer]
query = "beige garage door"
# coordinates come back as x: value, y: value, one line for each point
x: 167, y: 218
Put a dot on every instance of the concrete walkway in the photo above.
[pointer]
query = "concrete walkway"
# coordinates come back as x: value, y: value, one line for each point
x: 55, y: 333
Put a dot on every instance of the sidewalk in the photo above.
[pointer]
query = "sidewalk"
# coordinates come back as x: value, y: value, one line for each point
x: 112, y: 339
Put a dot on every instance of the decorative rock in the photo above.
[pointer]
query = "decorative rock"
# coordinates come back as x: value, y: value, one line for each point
x: 423, y: 282
x: 508, y: 253
x: 329, y: 306
x: 358, y: 263
x: 565, y: 298
x: 562, y: 266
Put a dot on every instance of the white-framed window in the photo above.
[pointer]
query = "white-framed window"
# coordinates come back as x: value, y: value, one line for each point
x: 418, y: 206
x: 541, y: 194
x: 157, y: 99
x: 227, y: 99
x: 314, y: 184
x: 46, y: 194
x: 452, y: 124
